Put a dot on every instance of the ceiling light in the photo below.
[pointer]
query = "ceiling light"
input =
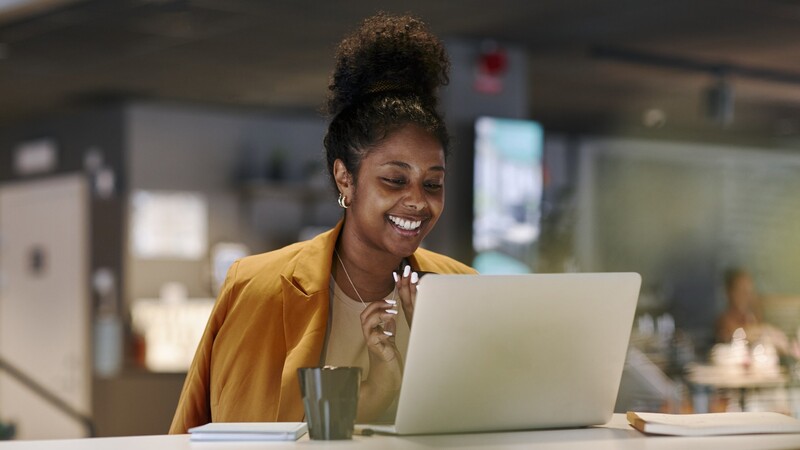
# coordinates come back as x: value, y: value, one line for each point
x: 654, y: 118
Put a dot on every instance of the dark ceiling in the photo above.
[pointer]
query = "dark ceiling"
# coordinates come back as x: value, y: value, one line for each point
x: 593, y: 65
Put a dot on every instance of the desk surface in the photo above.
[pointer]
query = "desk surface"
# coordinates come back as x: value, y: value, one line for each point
x: 616, y: 435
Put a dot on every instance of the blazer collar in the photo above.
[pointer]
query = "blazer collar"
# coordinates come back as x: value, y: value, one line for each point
x: 311, y: 270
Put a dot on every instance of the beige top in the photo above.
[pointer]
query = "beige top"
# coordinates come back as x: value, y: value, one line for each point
x: 346, y: 346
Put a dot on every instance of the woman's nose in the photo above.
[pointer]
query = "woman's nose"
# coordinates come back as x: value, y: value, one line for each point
x: 415, y: 198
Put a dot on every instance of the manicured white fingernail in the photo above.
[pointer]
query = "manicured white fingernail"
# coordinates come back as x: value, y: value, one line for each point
x: 406, y: 271
x: 391, y: 311
x: 391, y: 301
x: 395, y: 276
x: 388, y: 333
x: 414, y: 278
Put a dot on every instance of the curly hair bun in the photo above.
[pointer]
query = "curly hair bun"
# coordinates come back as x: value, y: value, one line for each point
x: 388, y: 54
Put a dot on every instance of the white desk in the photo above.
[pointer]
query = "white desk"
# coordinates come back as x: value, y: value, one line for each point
x: 616, y: 435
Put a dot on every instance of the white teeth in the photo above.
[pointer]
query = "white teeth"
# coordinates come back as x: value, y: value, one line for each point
x: 405, y: 224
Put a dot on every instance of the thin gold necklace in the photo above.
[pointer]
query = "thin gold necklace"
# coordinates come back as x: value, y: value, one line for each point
x: 394, y: 291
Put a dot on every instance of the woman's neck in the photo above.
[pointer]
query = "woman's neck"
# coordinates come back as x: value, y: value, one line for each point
x: 370, y: 271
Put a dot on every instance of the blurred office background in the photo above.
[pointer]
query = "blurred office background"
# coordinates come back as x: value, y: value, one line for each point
x: 146, y: 144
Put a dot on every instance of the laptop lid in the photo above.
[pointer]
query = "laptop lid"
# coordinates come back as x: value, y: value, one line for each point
x: 509, y: 352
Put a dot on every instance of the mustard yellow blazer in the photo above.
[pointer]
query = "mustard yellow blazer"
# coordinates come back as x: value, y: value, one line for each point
x: 271, y: 318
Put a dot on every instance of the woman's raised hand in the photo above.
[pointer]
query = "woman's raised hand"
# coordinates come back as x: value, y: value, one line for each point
x: 385, y: 363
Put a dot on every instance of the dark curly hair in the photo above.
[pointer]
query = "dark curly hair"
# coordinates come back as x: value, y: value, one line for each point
x: 386, y: 76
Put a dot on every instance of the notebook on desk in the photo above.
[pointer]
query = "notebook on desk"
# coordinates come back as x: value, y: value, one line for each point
x: 514, y: 352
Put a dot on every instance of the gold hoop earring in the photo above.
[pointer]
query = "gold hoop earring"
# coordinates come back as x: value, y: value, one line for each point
x: 342, y: 201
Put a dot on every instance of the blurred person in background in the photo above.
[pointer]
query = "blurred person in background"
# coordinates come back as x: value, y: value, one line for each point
x: 744, y: 311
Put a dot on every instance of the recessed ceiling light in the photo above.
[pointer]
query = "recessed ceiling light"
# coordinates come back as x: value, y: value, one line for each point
x: 654, y: 118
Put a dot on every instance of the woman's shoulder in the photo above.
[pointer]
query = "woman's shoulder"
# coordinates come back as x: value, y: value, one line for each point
x: 285, y: 259
x: 271, y: 262
x: 429, y: 261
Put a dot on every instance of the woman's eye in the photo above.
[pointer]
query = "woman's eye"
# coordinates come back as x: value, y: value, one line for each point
x: 396, y: 181
x: 433, y: 186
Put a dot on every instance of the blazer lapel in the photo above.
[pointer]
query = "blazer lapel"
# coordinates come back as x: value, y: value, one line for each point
x: 306, y: 306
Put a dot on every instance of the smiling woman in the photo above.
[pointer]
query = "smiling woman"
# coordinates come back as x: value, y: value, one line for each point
x: 398, y: 198
x: 345, y: 297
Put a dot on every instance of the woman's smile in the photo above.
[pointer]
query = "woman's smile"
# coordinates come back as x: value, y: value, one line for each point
x: 406, y: 227
x: 405, y: 224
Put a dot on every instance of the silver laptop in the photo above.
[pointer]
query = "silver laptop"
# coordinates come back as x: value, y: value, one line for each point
x: 514, y: 352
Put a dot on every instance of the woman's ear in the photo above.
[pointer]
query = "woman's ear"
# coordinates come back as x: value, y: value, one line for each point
x: 343, y: 178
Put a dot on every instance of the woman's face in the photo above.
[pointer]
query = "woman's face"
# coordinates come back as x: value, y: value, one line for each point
x: 400, y: 192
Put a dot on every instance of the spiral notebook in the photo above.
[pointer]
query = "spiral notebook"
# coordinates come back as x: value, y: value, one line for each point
x: 249, y: 431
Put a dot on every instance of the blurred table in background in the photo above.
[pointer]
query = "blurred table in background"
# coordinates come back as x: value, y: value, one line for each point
x: 716, y: 387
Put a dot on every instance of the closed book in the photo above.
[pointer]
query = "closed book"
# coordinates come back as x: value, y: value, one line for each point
x: 249, y: 431
x: 713, y: 424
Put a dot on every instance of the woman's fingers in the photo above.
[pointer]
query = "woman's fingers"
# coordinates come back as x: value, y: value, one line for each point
x: 377, y: 314
x: 378, y: 339
x: 378, y: 326
x: 407, y: 291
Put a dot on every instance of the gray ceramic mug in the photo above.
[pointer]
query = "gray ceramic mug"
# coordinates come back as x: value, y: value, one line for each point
x: 330, y: 400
